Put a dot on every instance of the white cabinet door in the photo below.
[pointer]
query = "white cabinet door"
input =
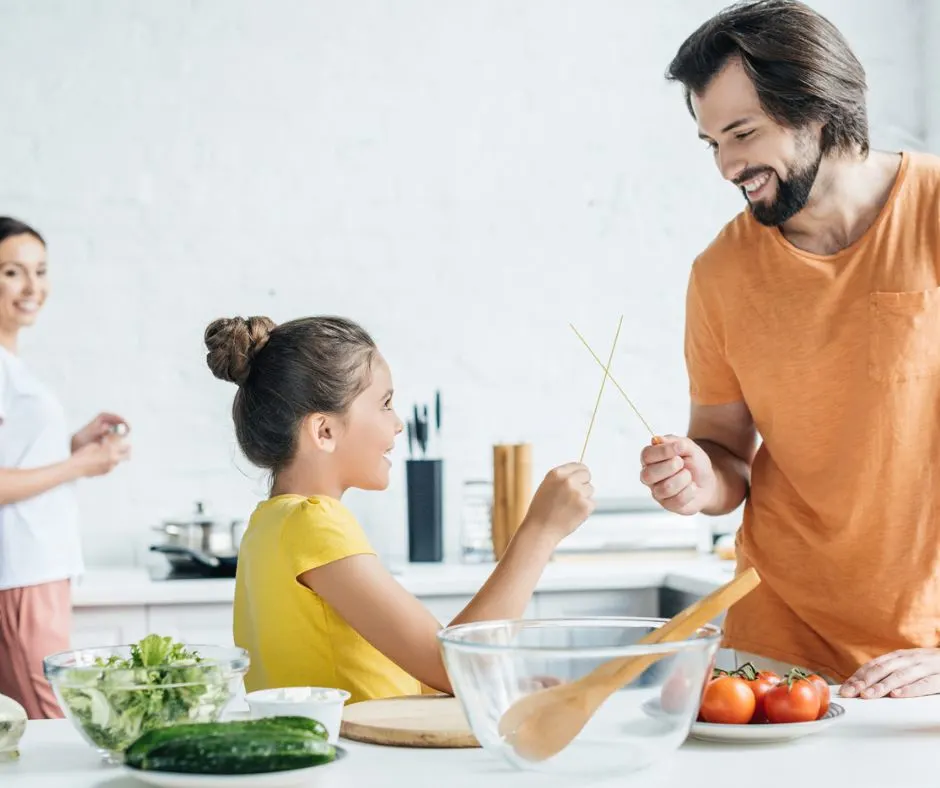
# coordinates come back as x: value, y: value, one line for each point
x: 107, y: 626
x: 206, y: 624
x: 570, y: 604
x: 446, y: 608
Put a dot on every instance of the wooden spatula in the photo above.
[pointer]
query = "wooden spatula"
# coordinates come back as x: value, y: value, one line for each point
x: 542, y: 724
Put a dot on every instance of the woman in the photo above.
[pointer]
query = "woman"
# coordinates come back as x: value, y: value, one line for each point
x: 40, y: 545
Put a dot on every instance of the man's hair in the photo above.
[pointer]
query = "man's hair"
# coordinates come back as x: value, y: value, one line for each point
x: 801, y: 65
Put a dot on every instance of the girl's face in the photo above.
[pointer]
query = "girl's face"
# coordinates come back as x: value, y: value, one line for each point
x: 369, y: 431
x: 23, y: 284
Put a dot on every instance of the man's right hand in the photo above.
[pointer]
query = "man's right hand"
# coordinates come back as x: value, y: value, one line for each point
x: 101, y: 456
x: 679, y: 474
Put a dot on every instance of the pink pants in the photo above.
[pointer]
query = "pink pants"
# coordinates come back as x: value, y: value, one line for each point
x: 35, y: 621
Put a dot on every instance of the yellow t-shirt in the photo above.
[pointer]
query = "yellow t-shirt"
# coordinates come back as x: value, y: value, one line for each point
x: 838, y: 359
x: 293, y: 637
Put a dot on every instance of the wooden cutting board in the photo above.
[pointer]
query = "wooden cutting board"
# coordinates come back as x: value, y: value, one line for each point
x: 411, y: 721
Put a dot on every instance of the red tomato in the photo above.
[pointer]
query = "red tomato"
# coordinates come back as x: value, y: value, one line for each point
x: 728, y: 700
x: 823, y: 689
x: 760, y: 682
x: 792, y: 700
x: 760, y: 686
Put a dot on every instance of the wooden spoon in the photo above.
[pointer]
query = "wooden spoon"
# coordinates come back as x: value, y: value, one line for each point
x: 543, y: 723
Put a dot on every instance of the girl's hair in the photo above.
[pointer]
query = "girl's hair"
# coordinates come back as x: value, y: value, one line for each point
x: 10, y: 227
x: 284, y: 373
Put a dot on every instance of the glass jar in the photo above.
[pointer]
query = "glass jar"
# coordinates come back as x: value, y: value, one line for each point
x: 476, y: 518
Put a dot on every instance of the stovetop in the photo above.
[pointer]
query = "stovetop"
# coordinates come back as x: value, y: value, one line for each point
x: 160, y: 573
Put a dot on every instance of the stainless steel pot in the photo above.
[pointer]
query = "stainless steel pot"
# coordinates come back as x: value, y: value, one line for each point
x: 203, y: 534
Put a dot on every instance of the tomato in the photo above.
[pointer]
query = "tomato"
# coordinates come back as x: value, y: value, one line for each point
x: 822, y: 688
x: 760, y: 682
x: 728, y: 700
x: 760, y: 686
x: 794, y: 699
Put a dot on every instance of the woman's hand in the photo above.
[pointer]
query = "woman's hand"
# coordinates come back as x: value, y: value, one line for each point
x: 103, y: 424
x: 100, y: 457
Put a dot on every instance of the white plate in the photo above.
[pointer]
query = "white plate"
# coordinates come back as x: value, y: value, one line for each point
x: 762, y: 733
x: 288, y: 779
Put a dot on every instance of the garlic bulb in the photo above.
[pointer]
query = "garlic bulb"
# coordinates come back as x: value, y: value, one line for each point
x: 12, y: 727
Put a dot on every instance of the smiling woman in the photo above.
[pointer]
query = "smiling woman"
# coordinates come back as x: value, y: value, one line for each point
x: 40, y: 547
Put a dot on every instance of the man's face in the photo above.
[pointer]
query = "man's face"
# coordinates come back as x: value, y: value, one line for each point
x: 774, y: 166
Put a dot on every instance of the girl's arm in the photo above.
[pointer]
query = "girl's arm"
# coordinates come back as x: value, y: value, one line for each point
x: 373, y: 603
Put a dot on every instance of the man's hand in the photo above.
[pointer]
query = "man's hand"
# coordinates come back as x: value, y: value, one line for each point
x: 679, y: 474
x: 908, y: 673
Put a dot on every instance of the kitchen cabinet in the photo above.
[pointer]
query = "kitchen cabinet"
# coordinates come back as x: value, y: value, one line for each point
x: 672, y: 602
x: 113, y: 626
x: 617, y: 602
x: 446, y: 608
x: 208, y: 624
x: 212, y: 623
x: 108, y: 626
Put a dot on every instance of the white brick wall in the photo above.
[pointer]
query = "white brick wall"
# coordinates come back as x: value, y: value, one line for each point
x: 931, y: 70
x: 463, y: 178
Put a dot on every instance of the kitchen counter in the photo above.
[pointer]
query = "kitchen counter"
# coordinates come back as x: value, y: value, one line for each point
x: 877, y: 743
x: 133, y: 586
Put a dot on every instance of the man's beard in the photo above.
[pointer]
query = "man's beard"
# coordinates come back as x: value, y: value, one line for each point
x: 792, y: 193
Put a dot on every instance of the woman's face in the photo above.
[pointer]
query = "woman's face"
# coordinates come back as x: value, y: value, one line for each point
x: 23, y: 284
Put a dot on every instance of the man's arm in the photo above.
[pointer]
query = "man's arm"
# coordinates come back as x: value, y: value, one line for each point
x: 726, y: 433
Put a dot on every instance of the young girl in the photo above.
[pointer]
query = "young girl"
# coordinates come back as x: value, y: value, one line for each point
x: 313, y: 604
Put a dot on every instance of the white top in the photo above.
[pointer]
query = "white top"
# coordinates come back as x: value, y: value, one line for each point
x: 876, y: 744
x: 40, y: 539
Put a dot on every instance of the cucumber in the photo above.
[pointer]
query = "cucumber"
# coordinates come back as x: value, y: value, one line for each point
x: 238, y: 754
x: 205, y: 730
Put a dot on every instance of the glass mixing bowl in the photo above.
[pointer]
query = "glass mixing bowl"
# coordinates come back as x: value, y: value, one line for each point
x: 494, y: 664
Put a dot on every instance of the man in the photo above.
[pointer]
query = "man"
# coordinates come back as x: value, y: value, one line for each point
x: 813, y: 320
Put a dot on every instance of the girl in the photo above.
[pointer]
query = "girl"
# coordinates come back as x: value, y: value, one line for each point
x: 313, y: 604
x: 40, y: 544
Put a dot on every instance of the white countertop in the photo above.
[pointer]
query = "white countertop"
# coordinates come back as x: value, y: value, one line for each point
x: 132, y: 586
x: 876, y: 744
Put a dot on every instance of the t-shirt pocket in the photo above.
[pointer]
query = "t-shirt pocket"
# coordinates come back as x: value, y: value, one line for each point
x: 904, y: 341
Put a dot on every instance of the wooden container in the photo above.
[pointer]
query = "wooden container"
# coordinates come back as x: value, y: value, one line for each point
x: 522, y: 484
x: 502, y: 497
x: 512, y: 492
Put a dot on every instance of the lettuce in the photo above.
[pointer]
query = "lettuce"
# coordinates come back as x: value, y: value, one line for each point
x: 160, y: 684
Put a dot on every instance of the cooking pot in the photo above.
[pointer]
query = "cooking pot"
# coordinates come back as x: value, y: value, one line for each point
x: 203, y: 534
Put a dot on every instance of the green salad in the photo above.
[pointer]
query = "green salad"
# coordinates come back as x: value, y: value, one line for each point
x: 161, y: 683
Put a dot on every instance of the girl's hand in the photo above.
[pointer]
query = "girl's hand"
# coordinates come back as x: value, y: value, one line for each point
x: 563, y: 501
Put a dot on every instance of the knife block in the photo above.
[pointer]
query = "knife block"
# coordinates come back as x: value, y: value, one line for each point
x: 512, y: 492
x: 425, y: 490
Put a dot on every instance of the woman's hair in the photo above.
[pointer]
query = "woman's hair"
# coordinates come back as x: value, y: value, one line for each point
x: 10, y: 227
x: 801, y: 65
x: 284, y: 373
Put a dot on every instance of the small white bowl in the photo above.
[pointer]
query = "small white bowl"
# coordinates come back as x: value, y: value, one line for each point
x: 324, y: 704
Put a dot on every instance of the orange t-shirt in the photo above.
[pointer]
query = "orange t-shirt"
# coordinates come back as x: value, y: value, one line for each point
x: 838, y: 358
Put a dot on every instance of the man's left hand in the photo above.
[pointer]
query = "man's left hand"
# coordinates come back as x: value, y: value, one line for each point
x: 909, y: 673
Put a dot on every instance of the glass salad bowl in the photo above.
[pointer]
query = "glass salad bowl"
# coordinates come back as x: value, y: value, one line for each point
x: 114, y: 694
